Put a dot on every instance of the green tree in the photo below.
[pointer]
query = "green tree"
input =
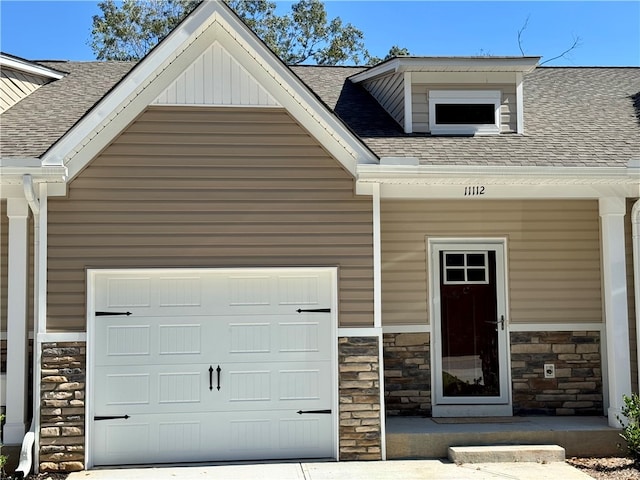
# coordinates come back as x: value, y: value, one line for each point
x: 394, y: 51
x: 304, y: 35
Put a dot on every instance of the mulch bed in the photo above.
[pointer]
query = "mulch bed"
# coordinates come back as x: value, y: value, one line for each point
x: 608, y: 468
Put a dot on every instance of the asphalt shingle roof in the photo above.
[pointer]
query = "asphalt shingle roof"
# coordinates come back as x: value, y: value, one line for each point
x: 580, y: 116
x: 36, y: 122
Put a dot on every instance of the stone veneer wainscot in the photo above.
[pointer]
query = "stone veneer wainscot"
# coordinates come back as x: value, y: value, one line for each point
x: 407, y: 374
x: 577, y: 386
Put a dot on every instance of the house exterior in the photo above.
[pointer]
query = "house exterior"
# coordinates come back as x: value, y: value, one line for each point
x: 209, y: 255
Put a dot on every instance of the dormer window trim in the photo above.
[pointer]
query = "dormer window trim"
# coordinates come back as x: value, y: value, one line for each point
x: 464, y: 97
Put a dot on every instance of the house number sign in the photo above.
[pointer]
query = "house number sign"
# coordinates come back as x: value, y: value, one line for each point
x: 474, y: 190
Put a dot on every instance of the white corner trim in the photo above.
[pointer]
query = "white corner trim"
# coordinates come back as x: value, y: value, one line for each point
x: 519, y: 104
x: 556, y: 327
x: 408, y: 103
x: 423, y: 328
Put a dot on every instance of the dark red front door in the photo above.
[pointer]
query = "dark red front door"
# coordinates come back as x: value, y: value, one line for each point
x: 469, y: 324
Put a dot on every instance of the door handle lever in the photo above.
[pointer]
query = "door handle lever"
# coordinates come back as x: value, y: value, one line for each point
x: 497, y: 322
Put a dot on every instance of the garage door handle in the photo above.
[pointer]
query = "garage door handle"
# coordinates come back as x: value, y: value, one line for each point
x: 218, y: 370
x: 315, y: 310
x: 300, y: 412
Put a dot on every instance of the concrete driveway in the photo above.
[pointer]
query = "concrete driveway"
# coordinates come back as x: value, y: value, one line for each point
x: 393, y: 469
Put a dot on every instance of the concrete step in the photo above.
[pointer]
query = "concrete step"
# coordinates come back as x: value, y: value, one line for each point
x: 507, y: 453
x: 421, y: 437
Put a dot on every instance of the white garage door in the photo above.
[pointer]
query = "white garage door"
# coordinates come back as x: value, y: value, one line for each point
x: 201, y: 365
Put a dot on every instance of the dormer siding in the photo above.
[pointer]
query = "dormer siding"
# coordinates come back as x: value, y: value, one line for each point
x: 388, y: 90
x: 14, y: 86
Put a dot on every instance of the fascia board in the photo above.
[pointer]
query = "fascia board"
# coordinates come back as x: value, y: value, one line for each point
x: 20, y: 162
x: 13, y: 175
x: 497, y: 174
x: 29, y: 67
x: 384, y: 68
x: 450, y: 64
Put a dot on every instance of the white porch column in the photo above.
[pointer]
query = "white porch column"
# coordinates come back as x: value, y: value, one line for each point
x: 635, y: 238
x: 612, y: 211
x: 17, y: 289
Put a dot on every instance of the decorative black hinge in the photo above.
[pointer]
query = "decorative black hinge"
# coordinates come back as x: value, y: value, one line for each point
x: 300, y: 412
x: 315, y: 310
x: 108, y: 314
x: 111, y: 417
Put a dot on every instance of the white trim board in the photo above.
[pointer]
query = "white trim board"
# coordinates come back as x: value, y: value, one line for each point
x: 62, y: 337
x: 359, y: 332
x: 513, y: 327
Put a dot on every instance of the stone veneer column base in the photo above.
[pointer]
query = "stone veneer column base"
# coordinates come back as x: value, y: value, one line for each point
x: 359, y: 390
x: 62, y: 412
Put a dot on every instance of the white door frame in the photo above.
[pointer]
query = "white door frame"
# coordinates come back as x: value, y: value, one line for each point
x: 472, y: 407
x: 91, y: 341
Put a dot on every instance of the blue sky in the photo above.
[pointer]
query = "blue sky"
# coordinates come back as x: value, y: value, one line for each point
x: 609, y: 30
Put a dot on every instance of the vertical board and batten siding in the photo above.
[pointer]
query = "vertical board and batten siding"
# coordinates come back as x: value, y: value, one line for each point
x: 553, y: 255
x: 210, y: 187
x: 389, y: 92
x: 420, y: 103
x: 14, y: 86
x: 215, y: 78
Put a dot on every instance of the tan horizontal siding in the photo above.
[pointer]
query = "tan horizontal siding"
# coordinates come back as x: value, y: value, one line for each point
x: 420, y: 103
x: 210, y: 187
x: 553, y: 255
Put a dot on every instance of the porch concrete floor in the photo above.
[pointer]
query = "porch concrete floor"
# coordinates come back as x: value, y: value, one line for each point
x: 422, y: 437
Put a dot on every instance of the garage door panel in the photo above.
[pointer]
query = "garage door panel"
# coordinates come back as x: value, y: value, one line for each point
x: 133, y: 390
x: 155, y: 371
x: 276, y: 386
x: 152, y: 340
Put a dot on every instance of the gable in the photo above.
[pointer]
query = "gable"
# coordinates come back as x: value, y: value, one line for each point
x: 211, y: 31
x: 216, y: 78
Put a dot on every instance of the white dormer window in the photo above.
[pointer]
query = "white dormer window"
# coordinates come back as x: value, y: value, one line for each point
x: 464, y: 112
